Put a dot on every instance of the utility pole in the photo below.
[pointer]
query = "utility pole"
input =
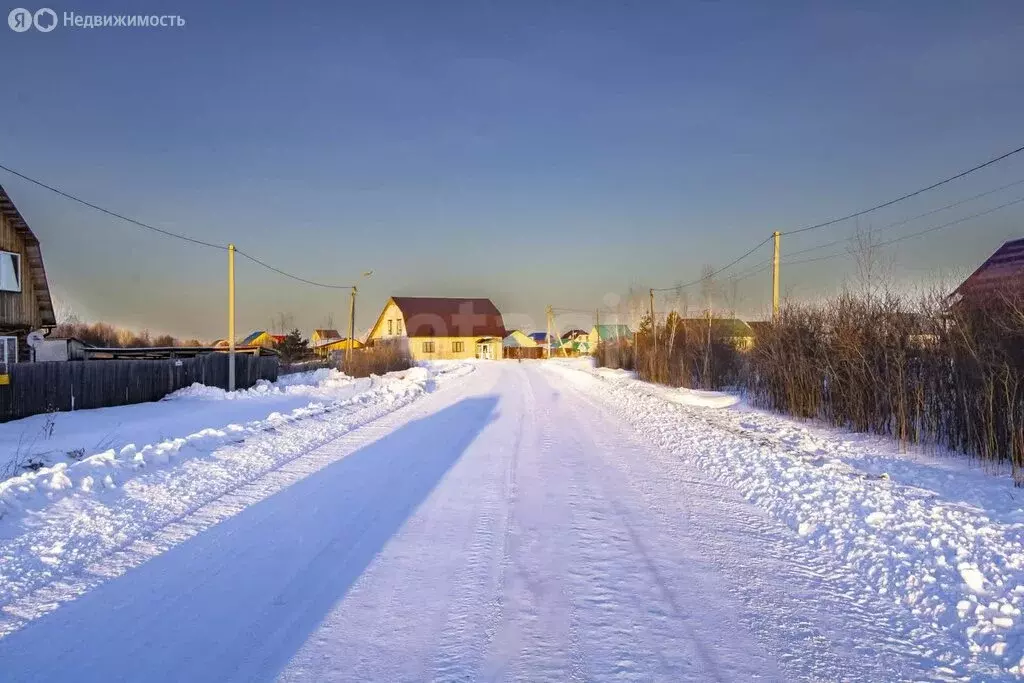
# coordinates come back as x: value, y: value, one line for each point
x: 654, y: 325
x: 775, y: 276
x: 547, y: 340
x: 231, y: 317
x: 351, y: 323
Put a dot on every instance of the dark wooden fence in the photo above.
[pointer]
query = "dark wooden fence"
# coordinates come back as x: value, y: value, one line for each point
x: 76, y: 385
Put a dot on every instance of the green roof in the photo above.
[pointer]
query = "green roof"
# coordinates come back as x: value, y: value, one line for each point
x: 606, y: 332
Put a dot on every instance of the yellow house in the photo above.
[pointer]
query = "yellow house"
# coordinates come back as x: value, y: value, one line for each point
x: 325, y: 347
x: 262, y: 338
x: 435, y: 328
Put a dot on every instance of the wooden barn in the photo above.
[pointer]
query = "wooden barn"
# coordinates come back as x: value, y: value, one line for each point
x: 25, y: 303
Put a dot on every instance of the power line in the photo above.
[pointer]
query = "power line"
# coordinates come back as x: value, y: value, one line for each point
x: 910, y: 220
x: 912, y: 235
x: 167, y: 233
x: 147, y: 226
x: 715, y: 272
x: 287, y: 274
x: 909, y: 194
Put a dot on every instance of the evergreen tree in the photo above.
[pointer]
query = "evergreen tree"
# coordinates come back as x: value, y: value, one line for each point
x: 294, y: 347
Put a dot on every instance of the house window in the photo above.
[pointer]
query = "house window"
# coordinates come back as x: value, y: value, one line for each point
x: 458, y: 347
x: 10, y: 271
x: 428, y: 347
x: 8, y: 350
x: 398, y: 325
x: 390, y: 331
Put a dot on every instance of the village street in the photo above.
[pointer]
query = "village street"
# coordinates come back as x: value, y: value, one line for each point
x: 512, y: 524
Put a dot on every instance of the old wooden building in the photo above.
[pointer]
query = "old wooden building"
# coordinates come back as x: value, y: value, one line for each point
x: 25, y: 302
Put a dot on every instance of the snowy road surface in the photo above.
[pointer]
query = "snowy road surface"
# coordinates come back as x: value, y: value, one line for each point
x: 511, y: 525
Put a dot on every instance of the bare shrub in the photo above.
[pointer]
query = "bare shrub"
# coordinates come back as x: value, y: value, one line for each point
x: 376, y: 360
x: 919, y: 371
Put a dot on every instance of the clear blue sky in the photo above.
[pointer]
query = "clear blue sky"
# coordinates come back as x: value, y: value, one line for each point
x: 533, y: 152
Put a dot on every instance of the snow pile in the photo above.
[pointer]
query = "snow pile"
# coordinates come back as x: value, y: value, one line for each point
x: 110, y: 468
x: 312, y: 383
x: 939, y: 538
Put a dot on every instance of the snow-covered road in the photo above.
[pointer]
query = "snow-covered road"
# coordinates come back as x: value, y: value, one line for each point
x: 510, y: 525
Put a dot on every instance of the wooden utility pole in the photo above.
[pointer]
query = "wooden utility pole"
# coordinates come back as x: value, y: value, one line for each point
x: 351, y: 323
x: 550, y: 313
x: 775, y: 276
x: 654, y: 325
x: 231, y: 317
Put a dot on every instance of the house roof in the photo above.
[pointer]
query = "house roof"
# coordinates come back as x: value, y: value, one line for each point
x: 1002, y: 271
x: 449, y: 317
x: 254, y: 336
x: 605, y: 332
x: 539, y: 337
x: 572, y: 334
x: 327, y: 334
x: 332, y: 342
x: 34, y: 256
x: 721, y: 328
x: 518, y: 338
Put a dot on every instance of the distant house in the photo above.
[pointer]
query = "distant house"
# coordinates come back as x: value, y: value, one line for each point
x: 25, y: 302
x: 321, y: 336
x: 542, y: 339
x: 728, y: 330
x: 263, y: 338
x: 518, y: 344
x: 609, y: 333
x: 1001, y: 275
x: 325, y: 347
x: 435, y: 328
x: 575, y: 335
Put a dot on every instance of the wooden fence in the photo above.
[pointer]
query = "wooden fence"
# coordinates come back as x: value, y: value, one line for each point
x: 77, y: 385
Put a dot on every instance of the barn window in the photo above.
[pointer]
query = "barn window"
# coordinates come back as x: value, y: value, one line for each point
x: 10, y: 271
x: 428, y: 347
x: 458, y: 347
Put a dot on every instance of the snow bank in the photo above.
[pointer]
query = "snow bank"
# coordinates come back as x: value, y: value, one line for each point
x: 938, y: 537
x: 110, y: 468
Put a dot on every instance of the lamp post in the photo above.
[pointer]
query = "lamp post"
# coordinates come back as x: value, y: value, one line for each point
x: 352, y: 317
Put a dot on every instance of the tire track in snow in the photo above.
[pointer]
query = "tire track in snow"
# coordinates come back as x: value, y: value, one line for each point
x: 880, y: 646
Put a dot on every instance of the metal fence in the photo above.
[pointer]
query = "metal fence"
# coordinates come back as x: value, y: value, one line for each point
x: 35, y: 388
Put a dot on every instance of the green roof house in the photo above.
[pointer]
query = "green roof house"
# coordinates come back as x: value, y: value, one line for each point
x: 606, y: 333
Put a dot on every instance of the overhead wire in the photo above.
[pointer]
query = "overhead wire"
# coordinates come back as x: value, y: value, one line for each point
x: 167, y: 233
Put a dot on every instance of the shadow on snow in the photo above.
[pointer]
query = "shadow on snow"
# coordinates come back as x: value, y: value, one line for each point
x: 237, y: 601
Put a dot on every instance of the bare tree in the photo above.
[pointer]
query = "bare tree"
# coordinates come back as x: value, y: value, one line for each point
x: 873, y: 269
x: 282, y: 323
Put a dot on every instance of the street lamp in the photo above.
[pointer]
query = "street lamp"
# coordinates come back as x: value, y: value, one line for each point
x: 352, y: 318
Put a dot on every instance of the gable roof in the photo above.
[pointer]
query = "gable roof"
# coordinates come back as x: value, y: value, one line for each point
x: 327, y: 334
x: 721, y: 328
x: 1002, y: 271
x: 34, y: 256
x: 254, y: 336
x: 518, y: 338
x: 449, y: 317
x: 541, y: 337
x: 605, y: 332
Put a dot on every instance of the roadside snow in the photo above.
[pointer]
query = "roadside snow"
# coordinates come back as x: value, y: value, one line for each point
x: 937, y: 536
x: 108, y: 469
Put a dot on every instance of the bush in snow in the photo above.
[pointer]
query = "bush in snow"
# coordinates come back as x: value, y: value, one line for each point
x: 381, y: 358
